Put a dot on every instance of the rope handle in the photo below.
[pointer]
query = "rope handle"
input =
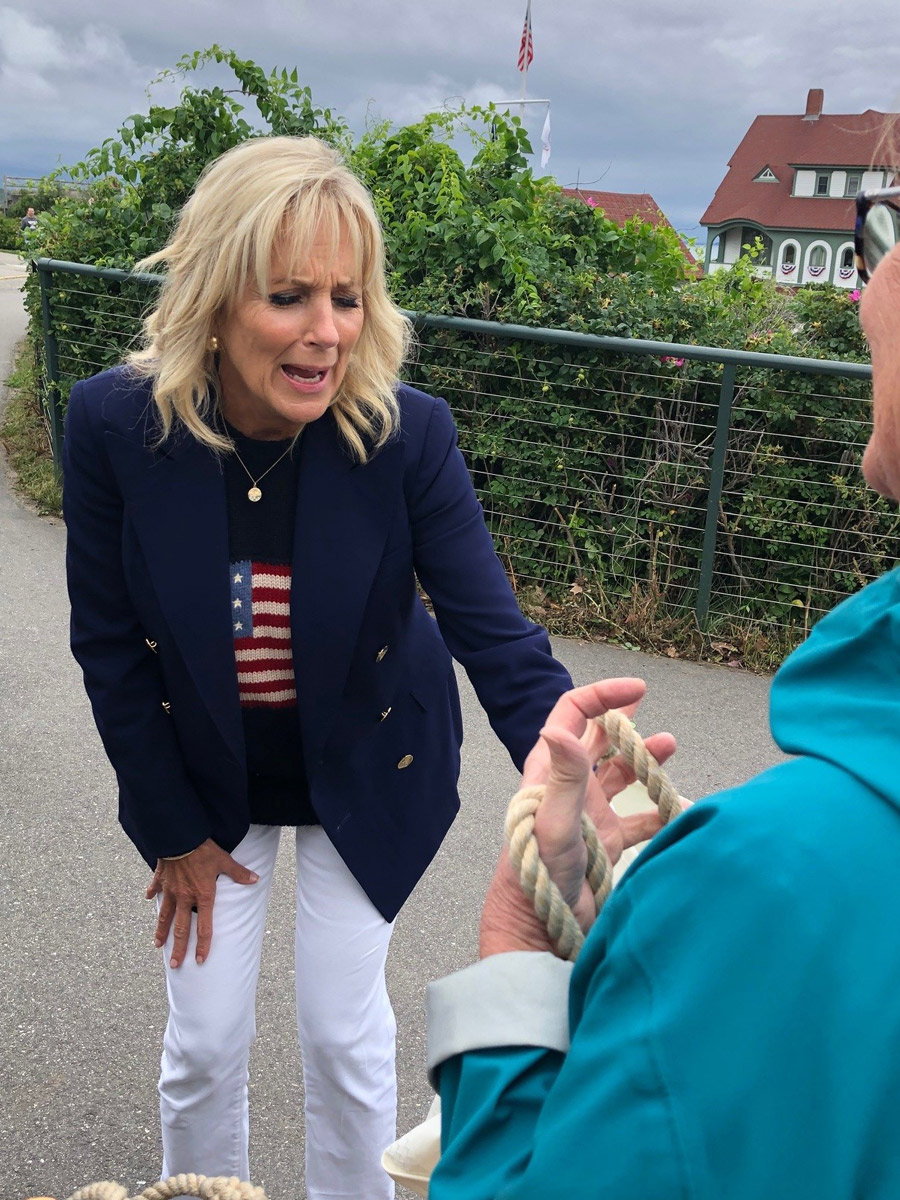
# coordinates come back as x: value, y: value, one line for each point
x: 206, y: 1187
x: 558, y: 919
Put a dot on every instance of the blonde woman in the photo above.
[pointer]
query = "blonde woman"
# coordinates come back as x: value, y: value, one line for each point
x: 249, y: 501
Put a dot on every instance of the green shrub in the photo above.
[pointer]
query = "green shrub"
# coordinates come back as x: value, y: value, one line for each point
x: 10, y: 234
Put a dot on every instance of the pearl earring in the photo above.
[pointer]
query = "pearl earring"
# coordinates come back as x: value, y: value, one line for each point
x: 213, y: 344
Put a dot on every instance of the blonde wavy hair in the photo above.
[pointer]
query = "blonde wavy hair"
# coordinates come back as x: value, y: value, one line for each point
x: 268, y: 191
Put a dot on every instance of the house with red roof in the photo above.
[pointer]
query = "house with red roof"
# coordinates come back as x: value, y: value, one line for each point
x: 622, y: 206
x: 791, y: 183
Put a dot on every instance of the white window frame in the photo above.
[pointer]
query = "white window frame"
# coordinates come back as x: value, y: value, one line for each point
x: 845, y: 280
x: 824, y: 274
x: 791, y: 276
x: 850, y: 192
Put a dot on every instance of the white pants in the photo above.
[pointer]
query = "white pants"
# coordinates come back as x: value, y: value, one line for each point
x: 344, y: 1020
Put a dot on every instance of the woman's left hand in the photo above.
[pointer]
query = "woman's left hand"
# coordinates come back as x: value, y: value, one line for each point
x: 571, y: 747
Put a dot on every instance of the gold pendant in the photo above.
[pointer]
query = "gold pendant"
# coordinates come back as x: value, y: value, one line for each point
x: 254, y: 494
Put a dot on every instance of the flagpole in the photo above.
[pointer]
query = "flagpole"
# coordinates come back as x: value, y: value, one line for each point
x: 525, y: 71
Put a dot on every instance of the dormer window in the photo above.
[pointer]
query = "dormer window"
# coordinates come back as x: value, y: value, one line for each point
x: 854, y: 183
x: 822, y: 182
x: 766, y: 175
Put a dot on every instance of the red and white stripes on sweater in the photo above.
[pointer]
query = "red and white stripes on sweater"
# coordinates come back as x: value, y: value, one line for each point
x: 261, y: 620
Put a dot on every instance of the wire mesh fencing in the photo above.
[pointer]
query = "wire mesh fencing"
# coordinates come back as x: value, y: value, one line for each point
x: 640, y: 481
x: 619, y: 478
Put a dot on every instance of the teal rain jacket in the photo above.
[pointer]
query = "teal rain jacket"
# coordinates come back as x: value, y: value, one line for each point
x: 735, y: 1013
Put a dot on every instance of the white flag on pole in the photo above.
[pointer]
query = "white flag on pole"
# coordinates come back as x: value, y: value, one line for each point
x: 545, y: 140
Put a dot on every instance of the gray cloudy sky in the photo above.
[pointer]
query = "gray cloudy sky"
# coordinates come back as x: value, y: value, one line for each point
x: 647, y: 95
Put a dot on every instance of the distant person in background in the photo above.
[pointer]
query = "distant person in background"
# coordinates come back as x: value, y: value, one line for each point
x: 29, y: 221
x: 731, y: 1027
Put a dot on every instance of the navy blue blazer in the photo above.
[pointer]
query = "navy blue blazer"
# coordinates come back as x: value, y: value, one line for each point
x: 147, y: 562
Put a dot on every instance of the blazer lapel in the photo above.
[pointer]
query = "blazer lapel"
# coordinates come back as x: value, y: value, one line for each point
x: 342, y: 521
x: 176, y: 501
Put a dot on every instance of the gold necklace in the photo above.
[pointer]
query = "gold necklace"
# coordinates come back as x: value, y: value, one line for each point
x: 254, y: 493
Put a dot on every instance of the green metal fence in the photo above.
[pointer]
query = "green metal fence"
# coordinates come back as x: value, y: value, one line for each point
x: 711, y: 484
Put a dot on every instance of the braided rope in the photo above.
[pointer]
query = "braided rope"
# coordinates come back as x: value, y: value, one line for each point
x: 625, y: 738
x: 206, y: 1187
x: 558, y: 919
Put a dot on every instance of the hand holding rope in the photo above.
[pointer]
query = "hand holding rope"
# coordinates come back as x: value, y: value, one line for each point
x: 556, y: 915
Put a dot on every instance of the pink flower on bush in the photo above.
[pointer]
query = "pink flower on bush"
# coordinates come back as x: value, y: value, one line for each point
x: 854, y: 296
x: 676, y: 362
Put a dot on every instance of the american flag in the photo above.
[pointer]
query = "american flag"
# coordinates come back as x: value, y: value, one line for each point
x: 261, y: 619
x: 526, y: 50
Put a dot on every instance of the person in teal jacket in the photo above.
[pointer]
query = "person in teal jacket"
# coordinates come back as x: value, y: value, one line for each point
x: 731, y: 1029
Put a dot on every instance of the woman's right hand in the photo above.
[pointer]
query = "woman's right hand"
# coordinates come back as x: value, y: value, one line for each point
x: 189, y: 883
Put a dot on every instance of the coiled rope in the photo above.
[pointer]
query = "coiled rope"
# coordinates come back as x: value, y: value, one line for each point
x: 204, y: 1186
x: 558, y: 918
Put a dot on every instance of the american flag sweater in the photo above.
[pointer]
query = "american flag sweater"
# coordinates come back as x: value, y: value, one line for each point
x: 260, y: 540
x: 261, y: 616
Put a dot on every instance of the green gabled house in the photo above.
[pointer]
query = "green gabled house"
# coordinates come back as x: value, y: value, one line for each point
x: 791, y: 183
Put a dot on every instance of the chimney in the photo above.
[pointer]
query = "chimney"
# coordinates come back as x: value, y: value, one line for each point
x: 814, y: 102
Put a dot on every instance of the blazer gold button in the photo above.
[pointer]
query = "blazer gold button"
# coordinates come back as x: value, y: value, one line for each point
x: 151, y: 644
x: 381, y: 653
x: 386, y: 713
x: 404, y: 761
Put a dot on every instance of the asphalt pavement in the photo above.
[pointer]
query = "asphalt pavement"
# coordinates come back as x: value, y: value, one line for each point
x: 82, y: 1001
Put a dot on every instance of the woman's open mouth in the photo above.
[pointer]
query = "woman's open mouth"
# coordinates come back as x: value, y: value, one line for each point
x: 305, y: 378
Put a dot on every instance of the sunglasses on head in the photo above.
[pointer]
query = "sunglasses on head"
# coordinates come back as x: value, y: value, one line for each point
x: 877, y: 228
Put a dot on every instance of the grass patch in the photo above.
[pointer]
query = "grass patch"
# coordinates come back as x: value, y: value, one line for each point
x: 26, y: 440
x: 642, y: 621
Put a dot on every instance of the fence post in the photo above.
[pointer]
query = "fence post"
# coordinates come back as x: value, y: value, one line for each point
x: 716, y: 479
x: 51, y: 363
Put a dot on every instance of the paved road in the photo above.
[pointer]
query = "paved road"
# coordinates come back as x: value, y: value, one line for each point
x: 81, y: 997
